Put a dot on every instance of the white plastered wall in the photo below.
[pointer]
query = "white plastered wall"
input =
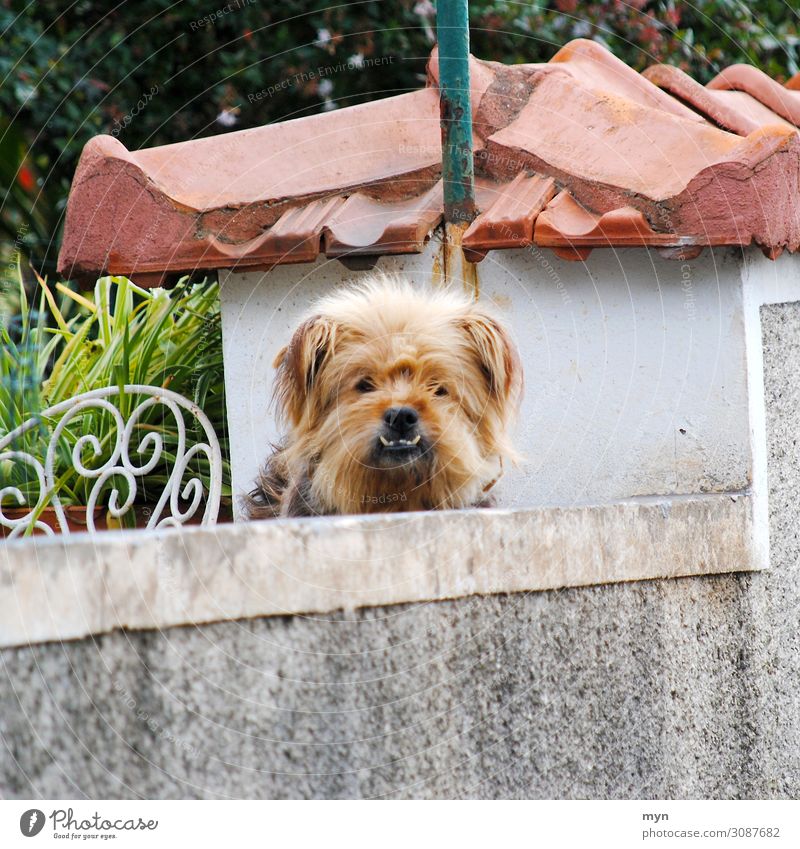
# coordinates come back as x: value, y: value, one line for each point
x: 634, y: 368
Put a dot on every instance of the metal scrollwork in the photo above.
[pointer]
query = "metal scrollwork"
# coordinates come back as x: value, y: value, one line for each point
x: 181, y: 497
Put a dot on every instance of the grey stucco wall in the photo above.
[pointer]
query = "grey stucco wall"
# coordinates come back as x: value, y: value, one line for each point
x: 687, y: 688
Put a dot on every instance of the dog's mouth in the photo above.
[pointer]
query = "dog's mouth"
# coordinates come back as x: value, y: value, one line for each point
x: 389, y: 452
x: 399, y: 444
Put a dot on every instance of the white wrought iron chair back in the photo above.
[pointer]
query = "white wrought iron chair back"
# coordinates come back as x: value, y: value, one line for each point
x: 168, y: 510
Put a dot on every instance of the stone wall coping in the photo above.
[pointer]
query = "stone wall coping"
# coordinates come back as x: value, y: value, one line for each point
x: 63, y: 588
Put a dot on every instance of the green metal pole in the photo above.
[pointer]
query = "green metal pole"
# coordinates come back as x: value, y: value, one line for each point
x: 452, y: 31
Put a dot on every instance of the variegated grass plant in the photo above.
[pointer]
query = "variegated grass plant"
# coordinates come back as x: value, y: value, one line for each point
x: 119, y: 334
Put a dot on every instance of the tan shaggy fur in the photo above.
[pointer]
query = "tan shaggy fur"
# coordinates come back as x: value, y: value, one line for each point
x: 378, y: 345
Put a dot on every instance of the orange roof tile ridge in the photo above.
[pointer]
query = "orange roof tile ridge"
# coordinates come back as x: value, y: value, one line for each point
x: 781, y: 100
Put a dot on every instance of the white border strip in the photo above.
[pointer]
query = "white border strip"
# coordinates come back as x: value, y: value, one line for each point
x: 68, y: 588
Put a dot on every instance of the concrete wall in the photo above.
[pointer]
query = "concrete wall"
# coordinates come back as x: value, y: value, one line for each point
x: 678, y: 688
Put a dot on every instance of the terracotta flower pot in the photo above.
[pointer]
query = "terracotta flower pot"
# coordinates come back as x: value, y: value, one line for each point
x: 137, y: 517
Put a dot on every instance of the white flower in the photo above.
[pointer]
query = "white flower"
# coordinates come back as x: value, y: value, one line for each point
x: 227, y: 118
x: 328, y: 105
x: 323, y: 37
x: 356, y: 59
x: 325, y: 88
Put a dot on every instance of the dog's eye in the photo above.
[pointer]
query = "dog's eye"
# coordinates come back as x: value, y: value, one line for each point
x: 441, y: 391
x: 365, y: 385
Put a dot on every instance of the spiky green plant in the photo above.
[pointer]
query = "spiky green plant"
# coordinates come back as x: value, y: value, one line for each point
x: 120, y: 334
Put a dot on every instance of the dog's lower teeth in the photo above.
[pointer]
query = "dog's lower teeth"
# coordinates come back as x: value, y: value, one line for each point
x: 386, y: 444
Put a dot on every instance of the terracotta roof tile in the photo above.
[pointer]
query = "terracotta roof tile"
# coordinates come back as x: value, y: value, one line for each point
x: 596, y: 68
x: 719, y: 107
x: 510, y: 213
x: 295, y: 237
x: 778, y: 98
x: 577, y: 153
x: 364, y: 225
x: 565, y: 223
x: 302, y: 158
x: 601, y: 139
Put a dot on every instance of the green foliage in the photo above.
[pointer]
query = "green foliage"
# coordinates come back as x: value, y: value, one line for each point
x: 120, y: 335
x: 28, y: 209
x: 154, y: 71
x: 700, y: 37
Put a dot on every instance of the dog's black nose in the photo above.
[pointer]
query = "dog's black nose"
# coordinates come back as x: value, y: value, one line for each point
x: 402, y: 420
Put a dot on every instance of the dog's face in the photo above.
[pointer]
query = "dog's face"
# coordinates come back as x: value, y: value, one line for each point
x: 398, y: 399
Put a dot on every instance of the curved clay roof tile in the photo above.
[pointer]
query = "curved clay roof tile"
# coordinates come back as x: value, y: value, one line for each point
x: 757, y: 84
x: 577, y: 153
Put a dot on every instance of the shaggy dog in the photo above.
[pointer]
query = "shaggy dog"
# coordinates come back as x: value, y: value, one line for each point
x: 394, y: 399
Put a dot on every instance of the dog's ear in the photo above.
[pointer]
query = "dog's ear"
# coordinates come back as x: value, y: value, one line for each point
x: 497, y: 355
x: 299, y: 365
